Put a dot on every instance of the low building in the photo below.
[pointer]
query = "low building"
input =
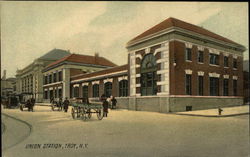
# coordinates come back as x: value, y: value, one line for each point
x: 57, y: 74
x: 177, y: 66
x: 110, y: 82
x: 30, y: 78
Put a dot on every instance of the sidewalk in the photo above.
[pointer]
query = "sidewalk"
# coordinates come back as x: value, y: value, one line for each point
x: 43, y: 104
x: 227, y: 112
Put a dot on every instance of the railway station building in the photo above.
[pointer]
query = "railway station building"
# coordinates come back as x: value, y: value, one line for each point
x: 173, y: 66
x: 56, y: 76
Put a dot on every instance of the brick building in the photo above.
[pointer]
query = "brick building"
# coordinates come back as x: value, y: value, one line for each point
x: 56, y: 76
x: 174, y: 66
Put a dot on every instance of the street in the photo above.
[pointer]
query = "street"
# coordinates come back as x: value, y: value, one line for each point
x: 123, y: 133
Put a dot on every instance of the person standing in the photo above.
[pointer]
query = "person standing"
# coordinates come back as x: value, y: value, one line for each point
x: 113, y: 101
x: 66, y: 104
x: 33, y: 101
x: 105, y: 108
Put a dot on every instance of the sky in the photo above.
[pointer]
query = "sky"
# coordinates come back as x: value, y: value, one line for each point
x: 30, y: 29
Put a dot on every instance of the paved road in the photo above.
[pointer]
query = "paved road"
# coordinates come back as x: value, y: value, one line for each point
x: 14, y: 131
x: 132, y: 134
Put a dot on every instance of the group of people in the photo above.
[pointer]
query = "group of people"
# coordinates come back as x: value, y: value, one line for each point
x: 30, y: 103
x: 106, y: 102
x: 62, y: 104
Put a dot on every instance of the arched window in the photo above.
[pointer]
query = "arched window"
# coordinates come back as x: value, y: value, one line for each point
x: 108, y: 89
x: 123, y: 88
x: 148, y: 75
x: 95, y: 90
x: 85, y: 91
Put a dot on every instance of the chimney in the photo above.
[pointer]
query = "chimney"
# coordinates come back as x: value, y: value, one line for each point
x: 96, y: 56
x: 4, y: 75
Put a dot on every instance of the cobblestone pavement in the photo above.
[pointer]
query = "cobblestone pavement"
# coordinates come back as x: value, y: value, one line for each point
x: 130, y: 134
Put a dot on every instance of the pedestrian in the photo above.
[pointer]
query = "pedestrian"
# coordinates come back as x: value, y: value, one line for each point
x: 109, y: 102
x: 66, y: 104
x: 102, y: 97
x: 60, y: 103
x: 220, y: 110
x: 105, y: 108
x: 33, y: 101
x: 113, y: 101
x: 28, y: 104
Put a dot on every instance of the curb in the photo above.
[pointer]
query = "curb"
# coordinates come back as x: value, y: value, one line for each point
x: 42, y: 105
x: 215, y: 116
x: 22, y: 121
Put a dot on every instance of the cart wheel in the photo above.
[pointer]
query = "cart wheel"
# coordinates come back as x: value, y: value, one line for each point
x: 99, y: 114
x: 73, y: 113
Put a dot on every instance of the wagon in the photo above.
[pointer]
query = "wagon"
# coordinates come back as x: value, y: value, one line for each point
x: 85, y: 111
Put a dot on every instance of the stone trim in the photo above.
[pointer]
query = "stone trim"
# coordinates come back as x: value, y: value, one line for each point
x: 76, y: 85
x: 108, y: 80
x: 200, y: 73
x: 85, y: 84
x: 122, y: 78
x: 188, y: 71
x: 235, y: 77
x: 226, y: 76
x: 214, y: 75
x: 95, y: 82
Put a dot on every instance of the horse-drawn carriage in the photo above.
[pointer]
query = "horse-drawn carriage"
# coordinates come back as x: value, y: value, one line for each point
x: 27, y: 101
x: 11, y: 101
x: 84, y: 110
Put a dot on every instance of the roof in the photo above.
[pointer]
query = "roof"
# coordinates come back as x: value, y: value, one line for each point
x: 55, y: 54
x: 101, y: 72
x: 84, y: 59
x: 173, y: 22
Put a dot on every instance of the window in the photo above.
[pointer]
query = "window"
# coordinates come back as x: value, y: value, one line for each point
x: 148, y: 75
x: 200, y: 56
x: 85, y: 92
x: 108, y: 89
x: 76, y: 92
x: 188, y: 84
x: 214, y: 59
x: 235, y: 87
x: 50, y: 78
x: 225, y: 61
x: 51, y: 94
x: 96, y: 90
x: 214, y: 86
x: 200, y: 84
x: 235, y: 63
x: 45, y: 94
x: 60, y: 76
x: 225, y: 87
x: 54, y: 77
x: 55, y: 92
x: 188, y: 54
x: 123, y: 88
x: 60, y: 93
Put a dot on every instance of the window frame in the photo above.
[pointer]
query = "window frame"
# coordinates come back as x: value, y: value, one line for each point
x: 214, y: 86
x: 95, y: 90
x: 225, y: 87
x: 188, y: 84
x: 200, y: 57
x: 188, y: 54
x: 214, y: 59
x: 123, y: 88
x: 200, y: 85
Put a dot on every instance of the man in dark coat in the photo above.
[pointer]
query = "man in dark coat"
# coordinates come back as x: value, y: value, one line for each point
x: 105, y: 108
x: 66, y: 105
x: 33, y: 101
x: 113, y: 101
